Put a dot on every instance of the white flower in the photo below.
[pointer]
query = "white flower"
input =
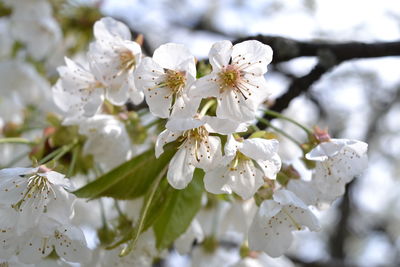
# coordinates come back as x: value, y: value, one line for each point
x: 33, y: 24
x: 22, y: 85
x: 184, y: 243
x: 237, y: 79
x: 338, y: 161
x: 35, y: 214
x: 67, y: 240
x: 244, y: 168
x: 271, y: 230
x: 107, y: 140
x: 166, y: 78
x: 197, y: 149
x: 78, y: 91
x: 113, y: 59
x: 28, y: 194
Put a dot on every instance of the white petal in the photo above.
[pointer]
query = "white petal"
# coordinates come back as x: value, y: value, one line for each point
x: 117, y: 96
x: 108, y: 28
x: 246, y: 180
x: 209, y: 153
x: 185, y: 107
x: 164, y: 138
x: 33, y: 247
x: 206, y: 86
x: 271, y: 167
x: 180, y: 171
x: 171, y: 56
x: 232, y: 146
x: 274, y: 239
x: 185, y: 242
x: 8, y: 244
x: 305, y: 190
x: 147, y: 77
x: 232, y: 105
x: 183, y: 124
x: 254, y: 52
x: 216, y: 181
x: 71, y: 244
x: 259, y: 148
x: 223, y: 126
x: 219, y: 54
x: 285, y: 197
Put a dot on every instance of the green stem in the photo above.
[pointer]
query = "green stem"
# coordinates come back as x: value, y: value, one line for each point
x: 58, y: 153
x: 73, y: 162
x: 207, y: 106
x: 280, y: 116
x: 151, y: 124
x: 267, y: 123
x: 118, y: 208
x: 143, y: 214
x: 16, y: 140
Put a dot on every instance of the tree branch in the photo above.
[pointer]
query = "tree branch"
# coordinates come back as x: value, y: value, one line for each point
x: 286, y: 49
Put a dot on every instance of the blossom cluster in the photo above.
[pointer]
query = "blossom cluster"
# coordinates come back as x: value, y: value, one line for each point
x: 36, y: 209
x: 209, y: 119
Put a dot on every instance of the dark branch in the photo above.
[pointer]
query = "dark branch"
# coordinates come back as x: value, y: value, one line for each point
x: 286, y: 49
x: 297, y: 87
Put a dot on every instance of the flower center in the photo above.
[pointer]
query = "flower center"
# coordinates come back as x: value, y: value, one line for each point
x: 127, y: 60
x: 175, y: 80
x: 38, y: 188
x: 193, y: 139
x: 229, y: 77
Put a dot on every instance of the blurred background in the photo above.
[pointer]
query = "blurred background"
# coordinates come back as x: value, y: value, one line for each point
x: 354, y: 99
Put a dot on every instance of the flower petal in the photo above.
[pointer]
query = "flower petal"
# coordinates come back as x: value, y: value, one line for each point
x: 216, y: 181
x: 206, y: 86
x: 253, y: 55
x: 220, y: 54
x: 108, y: 28
x: 223, y: 126
x: 164, y: 138
x: 180, y: 171
x: 171, y: 56
x: 259, y: 148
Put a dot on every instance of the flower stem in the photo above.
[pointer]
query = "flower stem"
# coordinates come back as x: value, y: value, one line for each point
x: 58, y: 153
x: 73, y: 162
x: 267, y: 123
x: 207, y: 106
x: 280, y: 116
x: 151, y: 124
x: 16, y: 140
x: 143, y: 215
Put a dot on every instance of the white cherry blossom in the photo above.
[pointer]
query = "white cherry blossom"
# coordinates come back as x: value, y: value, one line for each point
x: 107, y: 140
x: 237, y: 79
x: 28, y: 194
x: 166, y: 79
x: 113, y: 59
x: 68, y: 241
x: 184, y: 243
x: 271, y: 230
x: 245, y: 165
x: 78, y: 91
x: 198, y: 149
x: 338, y: 161
x: 32, y: 23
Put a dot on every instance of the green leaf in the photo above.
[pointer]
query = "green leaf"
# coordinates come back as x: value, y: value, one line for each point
x: 178, y: 211
x: 170, y: 212
x: 130, y: 180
